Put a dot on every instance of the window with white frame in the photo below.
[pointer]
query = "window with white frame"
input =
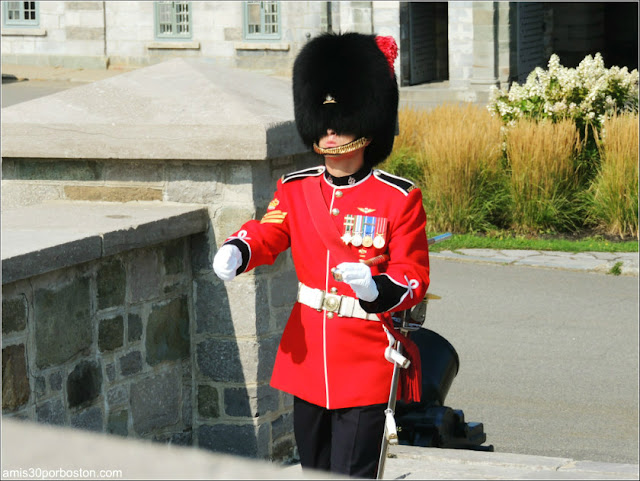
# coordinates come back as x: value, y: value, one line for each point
x: 173, y: 20
x: 20, y: 13
x: 262, y: 20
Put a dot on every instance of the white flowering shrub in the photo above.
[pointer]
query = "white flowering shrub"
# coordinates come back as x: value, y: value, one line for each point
x: 587, y: 94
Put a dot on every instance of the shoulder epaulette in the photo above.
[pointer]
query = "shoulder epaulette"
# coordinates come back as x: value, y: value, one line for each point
x: 301, y: 174
x: 403, y: 185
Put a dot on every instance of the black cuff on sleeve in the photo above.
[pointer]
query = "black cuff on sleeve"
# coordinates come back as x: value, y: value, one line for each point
x: 244, y: 250
x: 389, y: 294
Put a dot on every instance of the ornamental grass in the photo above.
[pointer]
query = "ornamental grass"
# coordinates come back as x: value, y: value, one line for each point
x: 540, y: 157
x: 456, y: 149
x: 613, y: 196
x: 478, y: 175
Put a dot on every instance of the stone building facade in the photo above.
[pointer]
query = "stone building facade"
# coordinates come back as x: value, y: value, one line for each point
x: 469, y: 44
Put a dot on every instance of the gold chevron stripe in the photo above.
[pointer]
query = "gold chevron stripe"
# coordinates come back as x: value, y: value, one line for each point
x: 274, y: 217
x: 272, y: 221
x: 268, y: 216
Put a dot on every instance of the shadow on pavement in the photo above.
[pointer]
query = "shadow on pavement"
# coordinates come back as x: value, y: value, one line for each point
x: 8, y: 78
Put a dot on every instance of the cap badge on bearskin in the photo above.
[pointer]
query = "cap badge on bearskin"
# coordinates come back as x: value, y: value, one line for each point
x: 329, y: 100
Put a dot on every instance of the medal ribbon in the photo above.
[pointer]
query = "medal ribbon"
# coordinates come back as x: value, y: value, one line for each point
x: 359, y: 222
x: 369, y: 226
x: 381, y: 226
x: 348, y: 224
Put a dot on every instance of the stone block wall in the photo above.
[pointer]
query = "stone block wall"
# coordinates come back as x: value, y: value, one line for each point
x: 481, y: 46
x: 234, y: 328
x: 460, y: 43
x: 104, y: 346
x: 68, y: 34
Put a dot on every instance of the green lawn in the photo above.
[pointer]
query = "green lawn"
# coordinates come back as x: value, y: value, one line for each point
x: 505, y: 240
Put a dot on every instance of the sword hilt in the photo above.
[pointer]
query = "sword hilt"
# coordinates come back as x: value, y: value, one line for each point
x: 374, y: 261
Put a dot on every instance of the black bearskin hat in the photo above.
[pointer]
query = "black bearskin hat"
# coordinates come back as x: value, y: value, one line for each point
x: 353, y: 71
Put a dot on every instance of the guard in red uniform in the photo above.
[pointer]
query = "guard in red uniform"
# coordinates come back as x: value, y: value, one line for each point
x: 358, y: 241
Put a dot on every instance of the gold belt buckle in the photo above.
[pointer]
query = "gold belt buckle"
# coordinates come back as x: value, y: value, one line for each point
x: 331, y: 302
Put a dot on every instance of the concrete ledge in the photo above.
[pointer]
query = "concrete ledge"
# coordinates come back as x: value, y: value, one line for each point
x: 24, y: 32
x: 46, y: 237
x: 174, y: 45
x: 63, y: 449
x: 413, y: 462
x: 55, y: 448
x: 149, y: 113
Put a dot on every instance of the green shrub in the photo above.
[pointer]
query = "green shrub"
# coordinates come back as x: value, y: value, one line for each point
x: 587, y: 94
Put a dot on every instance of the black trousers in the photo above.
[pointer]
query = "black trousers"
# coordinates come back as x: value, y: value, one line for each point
x: 345, y: 441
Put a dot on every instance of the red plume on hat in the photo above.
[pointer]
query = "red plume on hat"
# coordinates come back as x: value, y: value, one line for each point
x: 389, y: 48
x: 343, y: 82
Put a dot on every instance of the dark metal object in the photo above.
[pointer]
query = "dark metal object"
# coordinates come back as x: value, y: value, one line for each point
x: 430, y: 423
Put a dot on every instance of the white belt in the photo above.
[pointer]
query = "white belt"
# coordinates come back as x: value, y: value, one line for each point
x: 344, y: 306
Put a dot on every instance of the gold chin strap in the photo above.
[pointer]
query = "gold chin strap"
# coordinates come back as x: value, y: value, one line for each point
x: 342, y: 149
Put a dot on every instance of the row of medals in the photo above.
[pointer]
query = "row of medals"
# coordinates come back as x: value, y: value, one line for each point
x: 358, y: 240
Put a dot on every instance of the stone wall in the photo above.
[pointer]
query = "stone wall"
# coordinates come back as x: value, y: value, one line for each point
x: 238, y: 327
x: 68, y: 34
x: 131, y: 313
x: 460, y: 43
x: 104, y: 346
x: 181, y: 132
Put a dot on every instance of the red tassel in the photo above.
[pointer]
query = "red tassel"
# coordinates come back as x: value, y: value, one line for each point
x: 410, y: 385
x: 410, y: 388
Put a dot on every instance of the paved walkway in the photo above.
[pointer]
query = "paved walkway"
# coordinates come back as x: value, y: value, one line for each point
x: 30, y: 72
x: 619, y: 263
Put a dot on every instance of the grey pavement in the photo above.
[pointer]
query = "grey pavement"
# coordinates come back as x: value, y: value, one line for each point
x: 33, y: 72
x: 548, y: 356
x: 24, y: 82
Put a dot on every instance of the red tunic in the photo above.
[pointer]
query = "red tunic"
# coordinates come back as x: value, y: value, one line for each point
x: 338, y: 362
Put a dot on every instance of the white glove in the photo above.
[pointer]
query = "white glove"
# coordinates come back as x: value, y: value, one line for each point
x: 226, y: 262
x: 358, y: 276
